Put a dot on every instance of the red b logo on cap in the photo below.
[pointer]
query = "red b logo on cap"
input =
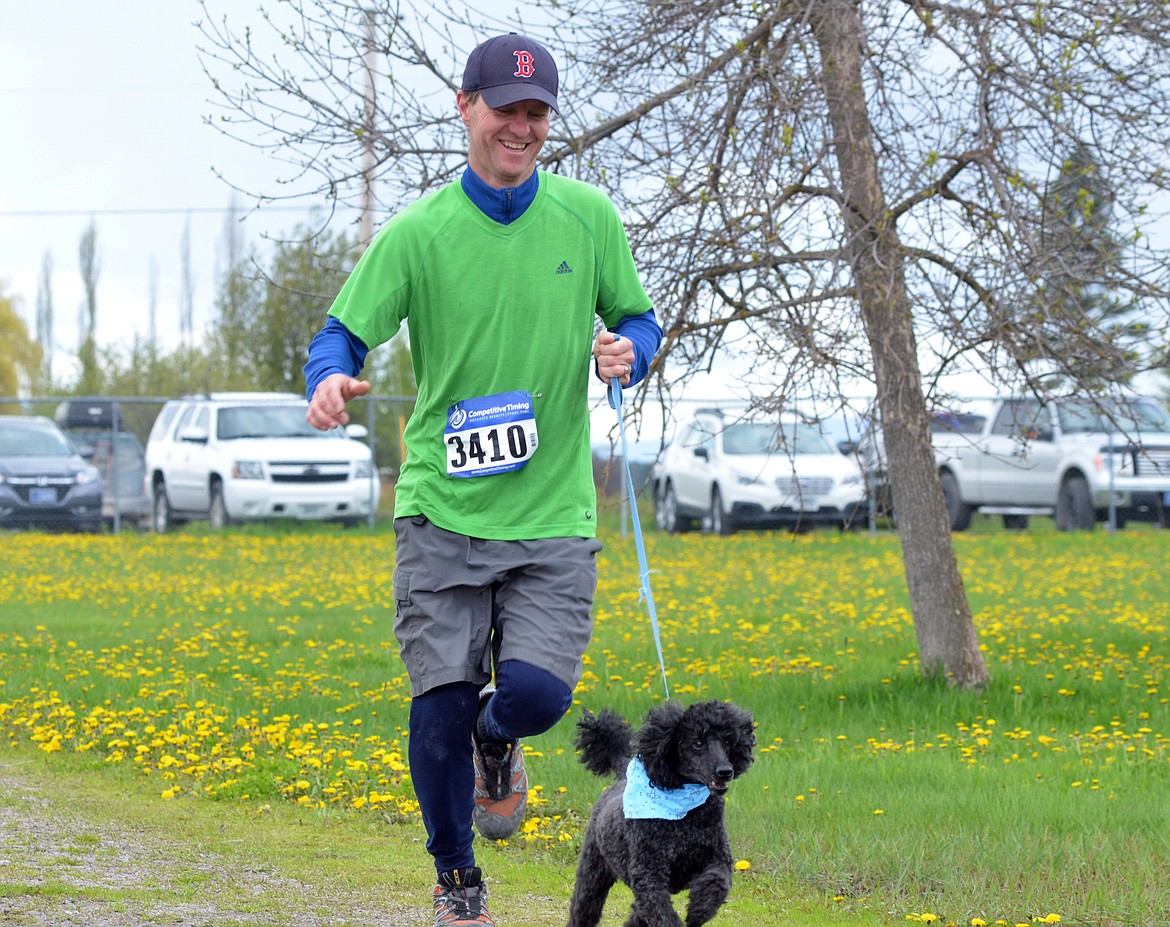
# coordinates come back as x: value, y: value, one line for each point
x: 524, y: 66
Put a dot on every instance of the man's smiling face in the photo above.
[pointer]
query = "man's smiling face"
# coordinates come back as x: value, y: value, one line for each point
x: 504, y: 143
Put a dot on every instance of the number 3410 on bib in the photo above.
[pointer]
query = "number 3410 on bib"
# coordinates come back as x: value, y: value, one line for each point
x: 487, y: 435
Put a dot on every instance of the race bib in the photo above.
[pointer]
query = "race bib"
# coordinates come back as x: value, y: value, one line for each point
x: 490, y: 434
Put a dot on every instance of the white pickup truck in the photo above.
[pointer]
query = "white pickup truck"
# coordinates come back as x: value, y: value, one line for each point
x: 1067, y: 458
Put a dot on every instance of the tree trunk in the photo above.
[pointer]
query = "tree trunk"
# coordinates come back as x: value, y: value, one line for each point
x: 947, y: 644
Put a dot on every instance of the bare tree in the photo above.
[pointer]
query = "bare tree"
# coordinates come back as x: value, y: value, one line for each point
x: 186, y: 289
x: 235, y: 282
x: 90, y: 265
x: 841, y: 191
x: 152, y: 302
x: 45, y: 320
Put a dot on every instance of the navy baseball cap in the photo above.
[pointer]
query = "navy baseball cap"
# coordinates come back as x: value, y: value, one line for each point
x: 510, y: 68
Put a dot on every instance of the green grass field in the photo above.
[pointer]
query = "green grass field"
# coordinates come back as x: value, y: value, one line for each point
x: 256, y: 670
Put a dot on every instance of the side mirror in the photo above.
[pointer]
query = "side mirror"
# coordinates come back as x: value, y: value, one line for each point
x: 357, y: 431
x: 701, y: 453
x: 194, y: 435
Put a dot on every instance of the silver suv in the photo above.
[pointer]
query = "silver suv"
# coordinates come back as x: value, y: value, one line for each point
x: 1073, y: 459
x: 96, y: 424
x: 725, y: 473
x: 250, y: 456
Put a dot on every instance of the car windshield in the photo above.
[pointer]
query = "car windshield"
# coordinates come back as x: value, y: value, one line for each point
x: 21, y: 440
x: 1086, y: 417
x: 765, y: 438
x: 265, y: 421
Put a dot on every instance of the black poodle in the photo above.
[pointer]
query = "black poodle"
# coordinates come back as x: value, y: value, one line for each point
x: 660, y: 828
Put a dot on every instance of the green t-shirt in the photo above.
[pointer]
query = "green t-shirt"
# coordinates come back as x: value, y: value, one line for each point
x: 498, y: 309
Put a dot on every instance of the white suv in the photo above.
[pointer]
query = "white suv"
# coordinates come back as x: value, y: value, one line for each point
x: 250, y: 456
x: 726, y: 473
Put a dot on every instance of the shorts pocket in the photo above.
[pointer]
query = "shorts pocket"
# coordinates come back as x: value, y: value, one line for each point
x: 406, y: 630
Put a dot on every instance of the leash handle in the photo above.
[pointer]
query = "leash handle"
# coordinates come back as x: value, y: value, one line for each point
x: 615, y: 402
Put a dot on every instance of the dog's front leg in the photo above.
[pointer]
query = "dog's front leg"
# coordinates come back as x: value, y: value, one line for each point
x: 652, y: 906
x: 708, y: 890
x: 651, y: 859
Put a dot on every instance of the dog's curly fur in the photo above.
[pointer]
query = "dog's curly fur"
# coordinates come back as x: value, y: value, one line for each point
x: 709, y: 743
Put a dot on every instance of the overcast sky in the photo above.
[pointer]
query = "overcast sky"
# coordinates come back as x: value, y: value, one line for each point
x: 102, y: 108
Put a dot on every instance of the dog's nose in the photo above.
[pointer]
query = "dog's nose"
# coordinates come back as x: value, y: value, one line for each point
x: 724, y: 771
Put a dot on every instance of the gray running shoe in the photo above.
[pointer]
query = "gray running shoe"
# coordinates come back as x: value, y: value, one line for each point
x: 501, y: 785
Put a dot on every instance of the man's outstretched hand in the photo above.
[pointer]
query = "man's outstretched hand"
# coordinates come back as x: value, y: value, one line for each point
x: 327, y: 407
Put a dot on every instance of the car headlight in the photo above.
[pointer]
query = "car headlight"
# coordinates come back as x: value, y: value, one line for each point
x: 86, y: 476
x: 1120, y: 463
x: 852, y: 480
x: 746, y: 479
x: 248, y: 470
x: 363, y: 470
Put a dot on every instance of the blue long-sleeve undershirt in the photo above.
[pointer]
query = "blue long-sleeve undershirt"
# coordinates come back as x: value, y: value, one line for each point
x: 335, y: 349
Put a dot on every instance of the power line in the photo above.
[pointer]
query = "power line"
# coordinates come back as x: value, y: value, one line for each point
x: 159, y: 211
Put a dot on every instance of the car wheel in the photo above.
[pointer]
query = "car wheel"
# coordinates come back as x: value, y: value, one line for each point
x: 1074, y: 506
x: 659, y: 508
x: 217, y: 514
x: 162, y: 519
x: 1015, y: 522
x: 958, y: 511
x: 666, y: 512
x: 721, y: 522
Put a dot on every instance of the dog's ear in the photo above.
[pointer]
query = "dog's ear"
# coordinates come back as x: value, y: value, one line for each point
x: 657, y: 743
x: 744, y: 742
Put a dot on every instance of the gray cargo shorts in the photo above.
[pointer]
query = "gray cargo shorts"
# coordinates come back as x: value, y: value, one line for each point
x: 465, y: 603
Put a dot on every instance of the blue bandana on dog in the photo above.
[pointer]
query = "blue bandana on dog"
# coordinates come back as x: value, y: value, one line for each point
x: 643, y: 799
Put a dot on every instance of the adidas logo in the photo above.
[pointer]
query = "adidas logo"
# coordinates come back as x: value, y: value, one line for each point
x: 564, y: 268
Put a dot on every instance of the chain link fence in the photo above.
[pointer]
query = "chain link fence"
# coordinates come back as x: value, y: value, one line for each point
x: 114, y: 430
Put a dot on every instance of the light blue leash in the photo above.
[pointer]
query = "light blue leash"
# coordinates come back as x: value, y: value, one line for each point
x: 615, y: 401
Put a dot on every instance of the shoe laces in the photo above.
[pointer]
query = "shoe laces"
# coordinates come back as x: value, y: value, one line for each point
x: 463, y: 895
x: 497, y: 762
x: 465, y: 903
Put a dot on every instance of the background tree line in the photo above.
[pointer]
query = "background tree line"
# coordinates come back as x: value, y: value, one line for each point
x: 268, y: 306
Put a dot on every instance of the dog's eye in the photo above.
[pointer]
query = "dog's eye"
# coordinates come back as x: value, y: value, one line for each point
x: 699, y: 745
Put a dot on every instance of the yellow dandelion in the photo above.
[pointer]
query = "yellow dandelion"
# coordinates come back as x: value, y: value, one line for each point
x: 743, y: 865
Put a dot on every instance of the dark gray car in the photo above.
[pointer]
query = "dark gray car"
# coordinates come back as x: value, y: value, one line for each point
x: 44, y: 480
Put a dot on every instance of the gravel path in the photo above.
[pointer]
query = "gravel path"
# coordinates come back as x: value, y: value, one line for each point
x: 59, y: 870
